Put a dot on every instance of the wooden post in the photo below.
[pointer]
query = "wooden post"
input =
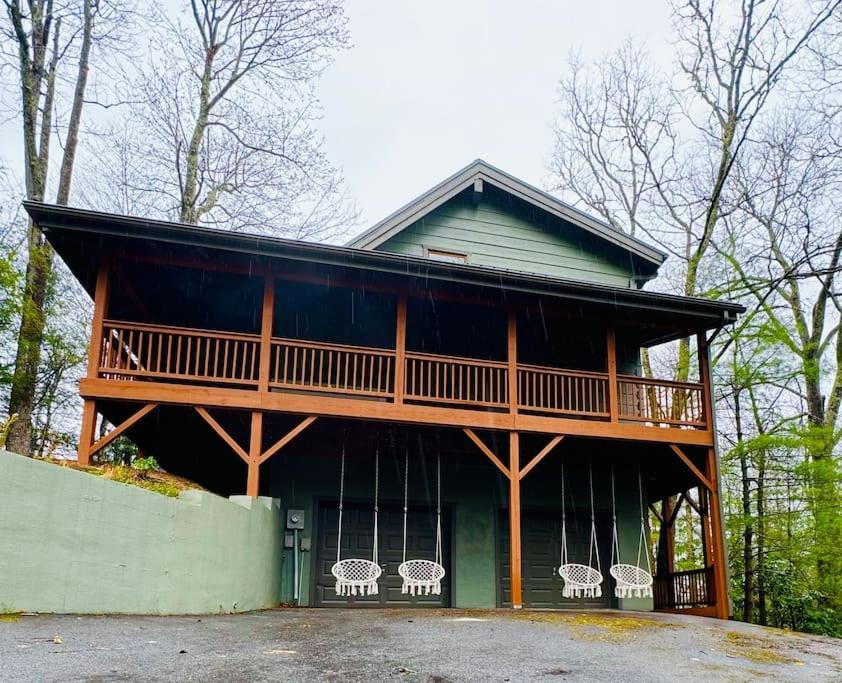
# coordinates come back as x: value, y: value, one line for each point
x: 267, y: 317
x: 512, y: 358
x: 705, y: 379
x: 255, y: 451
x: 400, y: 348
x: 100, y: 309
x: 86, y: 436
x: 719, y: 557
x: 611, y: 351
x: 720, y: 572
x: 514, y: 520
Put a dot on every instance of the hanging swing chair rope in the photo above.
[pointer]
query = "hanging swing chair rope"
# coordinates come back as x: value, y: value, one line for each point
x: 357, y: 576
x: 422, y: 577
x: 580, y: 581
x: 631, y: 580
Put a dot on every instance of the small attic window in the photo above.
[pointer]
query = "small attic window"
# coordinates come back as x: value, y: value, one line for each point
x: 447, y: 256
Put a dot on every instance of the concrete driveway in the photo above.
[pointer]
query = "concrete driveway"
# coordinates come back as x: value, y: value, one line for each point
x: 404, y: 645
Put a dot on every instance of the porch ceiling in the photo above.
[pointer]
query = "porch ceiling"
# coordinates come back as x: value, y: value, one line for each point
x: 80, y: 236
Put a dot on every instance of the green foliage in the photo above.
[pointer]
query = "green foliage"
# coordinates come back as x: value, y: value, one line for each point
x: 144, y: 465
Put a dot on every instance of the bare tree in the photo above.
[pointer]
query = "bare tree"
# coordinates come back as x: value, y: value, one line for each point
x: 678, y: 157
x: 43, y: 36
x: 228, y: 112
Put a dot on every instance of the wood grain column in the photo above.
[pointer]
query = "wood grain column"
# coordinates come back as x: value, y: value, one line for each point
x: 719, y: 555
x: 266, y: 319
x: 511, y: 344
x: 611, y: 364
x: 95, y: 351
x: 255, y: 450
x: 400, y: 348
x: 514, y: 521
x: 705, y: 379
x: 720, y: 571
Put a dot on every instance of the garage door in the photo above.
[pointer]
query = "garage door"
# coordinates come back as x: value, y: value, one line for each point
x: 357, y: 522
x: 541, y: 550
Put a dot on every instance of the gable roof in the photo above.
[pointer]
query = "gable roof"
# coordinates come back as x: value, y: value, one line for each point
x: 481, y: 170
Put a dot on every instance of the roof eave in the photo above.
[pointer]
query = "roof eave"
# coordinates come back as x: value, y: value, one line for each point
x: 51, y: 217
x: 462, y: 179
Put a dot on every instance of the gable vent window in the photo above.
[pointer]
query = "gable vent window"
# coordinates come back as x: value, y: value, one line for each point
x: 447, y: 256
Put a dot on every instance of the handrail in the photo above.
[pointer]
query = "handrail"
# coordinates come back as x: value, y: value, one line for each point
x: 132, y: 350
x: 332, y: 345
x: 174, y: 329
x: 418, y: 355
x: 661, y: 382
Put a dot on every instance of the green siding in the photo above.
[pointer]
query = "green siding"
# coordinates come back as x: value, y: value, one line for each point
x: 475, y: 493
x: 503, y: 232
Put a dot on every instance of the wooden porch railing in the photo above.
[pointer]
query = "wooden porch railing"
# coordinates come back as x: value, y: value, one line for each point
x: 684, y: 590
x: 565, y: 392
x: 148, y: 352
x: 661, y: 401
x: 333, y: 368
x: 447, y: 379
x: 134, y: 351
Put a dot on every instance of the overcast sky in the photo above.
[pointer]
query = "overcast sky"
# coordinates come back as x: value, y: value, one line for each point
x: 430, y: 86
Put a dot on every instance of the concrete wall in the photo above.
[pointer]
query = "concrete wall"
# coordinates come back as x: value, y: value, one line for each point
x: 72, y: 542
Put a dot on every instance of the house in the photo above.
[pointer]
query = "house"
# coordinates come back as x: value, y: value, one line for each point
x: 466, y: 356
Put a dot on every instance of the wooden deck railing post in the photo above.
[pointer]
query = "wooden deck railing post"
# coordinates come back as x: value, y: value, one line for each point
x: 705, y: 379
x: 86, y: 436
x: 400, y: 348
x: 266, y: 320
x: 512, y: 360
x: 514, y: 520
x: 720, y: 571
x: 611, y: 351
x: 255, y: 451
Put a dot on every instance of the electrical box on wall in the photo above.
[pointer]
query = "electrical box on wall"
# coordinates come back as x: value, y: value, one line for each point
x: 295, y: 519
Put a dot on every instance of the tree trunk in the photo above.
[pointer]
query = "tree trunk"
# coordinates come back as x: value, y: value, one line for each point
x: 761, y: 538
x: 748, y: 528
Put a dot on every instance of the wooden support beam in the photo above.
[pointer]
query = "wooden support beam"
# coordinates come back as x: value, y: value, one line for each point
x: 655, y: 512
x: 692, y: 503
x: 705, y: 379
x: 611, y: 352
x: 487, y: 451
x: 226, y: 437
x: 255, y: 447
x: 101, y: 293
x: 284, y: 402
x: 695, y: 470
x: 511, y: 345
x: 555, y: 441
x: 122, y: 427
x: 86, y: 435
x: 514, y: 521
x: 670, y: 521
x: 266, y: 319
x: 720, y: 571
x: 289, y: 436
x: 400, y: 348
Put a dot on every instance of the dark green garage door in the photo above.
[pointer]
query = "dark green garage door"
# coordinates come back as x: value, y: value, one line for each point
x: 357, y: 523
x: 541, y: 549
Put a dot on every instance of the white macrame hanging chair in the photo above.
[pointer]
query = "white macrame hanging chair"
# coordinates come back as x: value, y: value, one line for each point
x: 422, y: 577
x: 631, y: 580
x: 580, y: 580
x: 357, y: 576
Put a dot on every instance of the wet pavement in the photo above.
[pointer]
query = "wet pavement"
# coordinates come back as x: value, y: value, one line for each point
x: 405, y: 645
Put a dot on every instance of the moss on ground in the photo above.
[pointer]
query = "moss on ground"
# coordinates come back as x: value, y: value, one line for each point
x: 597, y: 626
x: 157, y: 481
x: 755, y: 649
